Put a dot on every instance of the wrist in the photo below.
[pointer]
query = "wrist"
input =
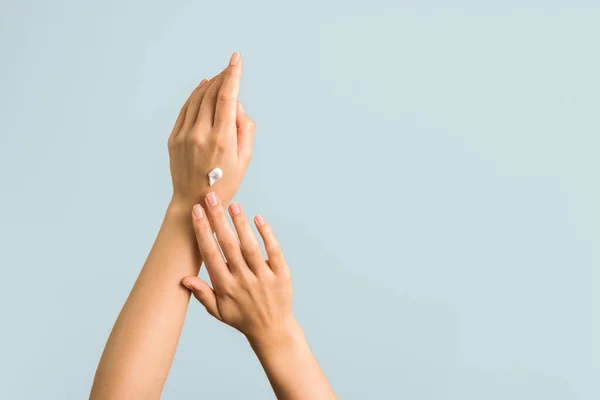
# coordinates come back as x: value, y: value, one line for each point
x: 179, y: 214
x: 178, y: 208
x: 285, y: 335
x: 185, y: 205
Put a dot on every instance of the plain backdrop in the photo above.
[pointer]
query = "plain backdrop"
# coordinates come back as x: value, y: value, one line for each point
x: 451, y: 251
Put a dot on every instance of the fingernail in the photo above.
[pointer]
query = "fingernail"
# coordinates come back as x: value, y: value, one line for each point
x: 234, y: 58
x: 234, y: 208
x: 211, y: 199
x: 241, y: 106
x: 198, y: 212
x: 203, y: 82
x: 260, y: 220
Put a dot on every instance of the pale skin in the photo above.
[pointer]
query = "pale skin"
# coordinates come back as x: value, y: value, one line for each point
x: 212, y: 130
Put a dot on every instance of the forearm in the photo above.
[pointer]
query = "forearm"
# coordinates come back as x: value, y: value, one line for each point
x: 142, y: 344
x: 290, y: 365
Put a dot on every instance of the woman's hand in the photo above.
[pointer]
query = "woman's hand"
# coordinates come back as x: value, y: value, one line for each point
x: 212, y: 131
x: 254, y: 296
x: 250, y: 293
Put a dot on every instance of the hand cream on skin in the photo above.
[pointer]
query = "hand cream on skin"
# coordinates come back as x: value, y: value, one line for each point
x: 214, y: 176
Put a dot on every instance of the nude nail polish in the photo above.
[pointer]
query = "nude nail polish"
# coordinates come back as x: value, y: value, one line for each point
x: 211, y: 199
x: 235, y: 58
x: 234, y: 208
x: 198, y: 212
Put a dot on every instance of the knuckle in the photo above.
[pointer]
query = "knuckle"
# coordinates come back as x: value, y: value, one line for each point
x: 210, y: 141
x: 193, y: 140
x: 252, y: 250
x: 181, y: 137
x: 211, y: 254
x: 216, y: 211
x: 228, y: 243
x: 246, y: 155
x: 201, y: 226
x: 273, y: 248
x: 286, y: 274
x: 216, y: 142
x: 231, y: 74
x: 251, y: 283
x: 225, y: 98
x: 269, y: 278
x: 221, y: 145
x: 226, y: 288
x: 210, y: 96
x: 194, y: 101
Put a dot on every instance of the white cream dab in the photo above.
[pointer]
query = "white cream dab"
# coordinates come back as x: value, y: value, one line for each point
x: 214, y: 176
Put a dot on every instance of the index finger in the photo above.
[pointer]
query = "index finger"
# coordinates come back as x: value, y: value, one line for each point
x: 226, y: 107
x: 209, y: 249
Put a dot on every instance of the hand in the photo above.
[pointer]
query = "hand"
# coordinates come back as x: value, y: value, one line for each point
x: 212, y: 131
x: 250, y: 293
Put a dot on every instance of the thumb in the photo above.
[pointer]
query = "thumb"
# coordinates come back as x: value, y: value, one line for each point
x: 245, y: 133
x: 203, y: 293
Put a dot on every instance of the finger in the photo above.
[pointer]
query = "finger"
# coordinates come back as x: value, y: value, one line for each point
x: 183, y: 112
x: 179, y: 121
x: 206, y: 113
x: 209, y: 249
x: 227, y: 98
x: 249, y: 244
x: 194, y: 105
x: 245, y: 133
x: 225, y: 235
x: 272, y: 247
x: 203, y: 293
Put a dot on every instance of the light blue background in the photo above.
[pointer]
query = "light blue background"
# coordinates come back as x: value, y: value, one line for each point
x: 452, y: 251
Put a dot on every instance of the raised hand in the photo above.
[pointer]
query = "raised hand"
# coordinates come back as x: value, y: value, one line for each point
x: 212, y: 131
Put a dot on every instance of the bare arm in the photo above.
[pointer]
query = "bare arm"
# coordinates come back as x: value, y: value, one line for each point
x: 290, y: 365
x: 211, y: 131
x: 141, y: 347
x: 254, y: 296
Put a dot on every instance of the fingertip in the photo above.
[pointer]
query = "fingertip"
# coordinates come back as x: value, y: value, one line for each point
x: 260, y: 220
x: 198, y: 212
x: 188, y: 283
x: 234, y: 70
x: 235, y: 59
x: 212, y: 199
x: 234, y: 209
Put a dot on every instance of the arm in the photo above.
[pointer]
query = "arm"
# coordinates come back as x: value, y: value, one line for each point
x: 255, y: 297
x: 211, y: 131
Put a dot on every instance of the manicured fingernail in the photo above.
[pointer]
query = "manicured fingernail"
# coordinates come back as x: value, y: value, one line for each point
x: 203, y: 82
x: 234, y: 208
x: 234, y: 58
x: 260, y: 220
x: 198, y: 212
x: 211, y: 199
